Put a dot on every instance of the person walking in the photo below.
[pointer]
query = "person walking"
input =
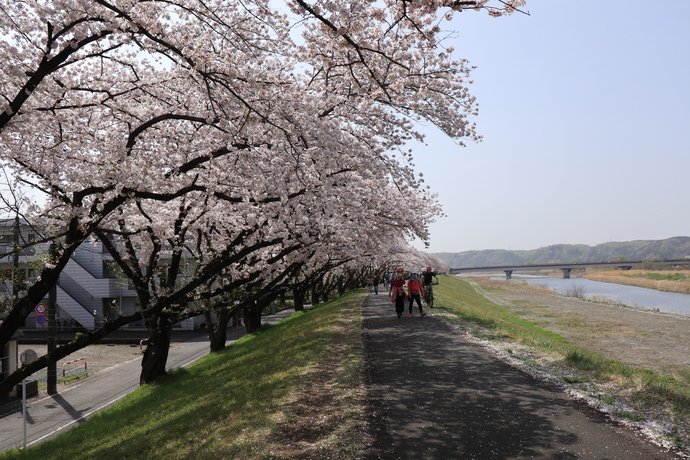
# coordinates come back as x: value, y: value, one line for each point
x: 415, y: 291
x: 397, y: 291
x: 376, y: 280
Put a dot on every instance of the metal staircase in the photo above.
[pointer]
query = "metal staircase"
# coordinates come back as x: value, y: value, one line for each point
x: 75, y: 309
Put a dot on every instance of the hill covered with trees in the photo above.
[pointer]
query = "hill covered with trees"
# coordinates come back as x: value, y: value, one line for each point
x: 671, y: 248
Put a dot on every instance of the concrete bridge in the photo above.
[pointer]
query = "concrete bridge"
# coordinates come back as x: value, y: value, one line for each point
x: 567, y: 268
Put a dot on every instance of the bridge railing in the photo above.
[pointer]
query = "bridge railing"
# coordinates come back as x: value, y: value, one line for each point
x: 567, y: 267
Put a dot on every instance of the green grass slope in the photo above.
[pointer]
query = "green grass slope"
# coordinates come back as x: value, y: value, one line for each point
x: 290, y: 390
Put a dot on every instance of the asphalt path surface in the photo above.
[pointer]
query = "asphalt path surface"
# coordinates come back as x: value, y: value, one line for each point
x: 47, y: 417
x: 434, y: 395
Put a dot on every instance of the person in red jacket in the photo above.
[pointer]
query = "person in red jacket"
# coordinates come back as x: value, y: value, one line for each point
x: 397, y: 291
x: 415, y: 291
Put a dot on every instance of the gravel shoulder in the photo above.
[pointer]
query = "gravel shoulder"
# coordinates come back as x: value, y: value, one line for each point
x: 97, y: 357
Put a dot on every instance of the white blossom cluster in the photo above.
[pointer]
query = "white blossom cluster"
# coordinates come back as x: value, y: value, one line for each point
x: 252, y: 136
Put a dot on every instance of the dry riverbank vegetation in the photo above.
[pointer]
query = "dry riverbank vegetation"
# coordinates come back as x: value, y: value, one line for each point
x: 662, y: 280
x: 637, y: 337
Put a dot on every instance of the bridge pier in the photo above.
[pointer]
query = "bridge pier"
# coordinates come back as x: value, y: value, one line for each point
x: 566, y: 273
x: 509, y: 274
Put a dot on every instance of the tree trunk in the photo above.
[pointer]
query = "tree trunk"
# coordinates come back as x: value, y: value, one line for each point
x: 252, y: 317
x: 299, y: 295
x: 315, y: 295
x: 156, y: 354
x: 217, y: 332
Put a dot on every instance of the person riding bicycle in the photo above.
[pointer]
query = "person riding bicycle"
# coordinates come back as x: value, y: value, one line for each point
x: 428, y: 277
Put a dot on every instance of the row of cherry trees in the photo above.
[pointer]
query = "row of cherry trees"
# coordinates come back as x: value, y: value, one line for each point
x: 262, y: 140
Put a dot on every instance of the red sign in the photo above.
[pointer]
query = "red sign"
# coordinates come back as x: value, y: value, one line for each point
x: 40, y: 320
x: 41, y: 308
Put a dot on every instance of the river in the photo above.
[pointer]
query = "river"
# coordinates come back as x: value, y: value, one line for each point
x: 633, y: 296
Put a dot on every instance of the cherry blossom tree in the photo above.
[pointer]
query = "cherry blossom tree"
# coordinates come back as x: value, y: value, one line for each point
x: 152, y: 260
x: 112, y: 109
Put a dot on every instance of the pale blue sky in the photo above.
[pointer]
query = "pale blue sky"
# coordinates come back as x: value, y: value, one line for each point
x: 585, y: 113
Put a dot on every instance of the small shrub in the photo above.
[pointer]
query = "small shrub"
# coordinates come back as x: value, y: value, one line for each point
x: 577, y: 291
x: 580, y: 359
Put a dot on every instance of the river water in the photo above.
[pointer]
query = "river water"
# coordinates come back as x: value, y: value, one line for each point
x: 633, y: 296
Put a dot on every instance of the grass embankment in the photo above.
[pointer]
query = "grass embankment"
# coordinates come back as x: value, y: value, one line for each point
x: 639, y: 390
x: 293, y: 390
x: 289, y: 391
x: 662, y: 280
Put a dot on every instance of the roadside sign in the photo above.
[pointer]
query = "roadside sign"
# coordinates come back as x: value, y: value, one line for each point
x: 40, y: 320
x: 28, y: 356
x: 41, y: 308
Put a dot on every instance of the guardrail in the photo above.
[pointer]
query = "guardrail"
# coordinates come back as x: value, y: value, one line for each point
x: 66, y: 371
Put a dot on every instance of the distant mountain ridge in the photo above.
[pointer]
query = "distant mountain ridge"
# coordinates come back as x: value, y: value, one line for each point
x: 671, y: 248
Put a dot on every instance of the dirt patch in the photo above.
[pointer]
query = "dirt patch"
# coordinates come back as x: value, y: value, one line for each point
x: 328, y: 405
x: 640, y: 338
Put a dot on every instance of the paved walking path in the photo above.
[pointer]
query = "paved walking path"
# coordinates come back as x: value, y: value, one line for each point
x: 434, y: 395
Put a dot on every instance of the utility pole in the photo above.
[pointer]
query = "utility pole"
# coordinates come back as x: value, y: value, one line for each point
x: 16, y: 279
x: 52, y: 329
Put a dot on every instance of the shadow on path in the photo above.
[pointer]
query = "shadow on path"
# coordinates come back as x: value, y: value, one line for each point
x: 434, y: 395
x: 73, y: 413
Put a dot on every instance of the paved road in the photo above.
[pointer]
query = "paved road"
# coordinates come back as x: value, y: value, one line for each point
x: 434, y: 395
x: 50, y: 416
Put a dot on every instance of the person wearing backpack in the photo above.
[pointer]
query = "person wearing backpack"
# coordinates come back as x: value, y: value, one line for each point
x: 397, y: 291
x: 415, y: 291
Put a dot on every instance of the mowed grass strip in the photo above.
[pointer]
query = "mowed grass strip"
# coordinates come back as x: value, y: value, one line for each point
x: 249, y: 401
x: 460, y: 298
